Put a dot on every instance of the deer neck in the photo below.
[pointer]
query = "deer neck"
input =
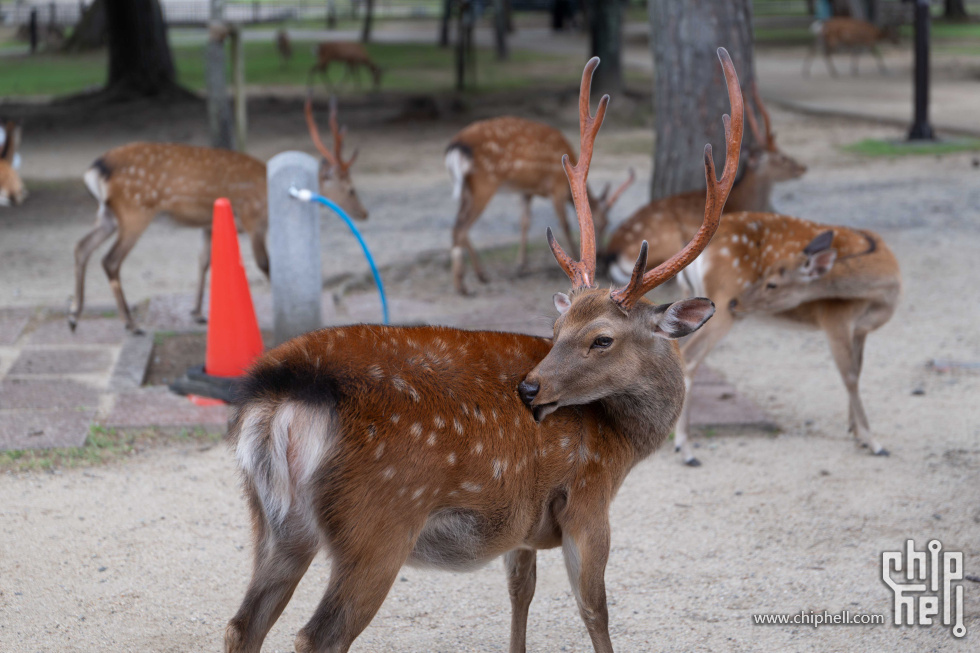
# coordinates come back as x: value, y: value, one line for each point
x: 751, y: 193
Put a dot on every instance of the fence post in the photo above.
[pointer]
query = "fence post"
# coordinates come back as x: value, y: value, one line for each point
x: 294, y: 246
x: 238, y: 86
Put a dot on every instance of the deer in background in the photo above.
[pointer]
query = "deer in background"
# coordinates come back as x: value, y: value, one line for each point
x: 12, y: 191
x: 666, y: 224
x: 853, y: 33
x: 284, y: 46
x: 841, y: 280
x: 135, y: 183
x: 517, y: 155
x: 352, y: 55
x: 440, y: 447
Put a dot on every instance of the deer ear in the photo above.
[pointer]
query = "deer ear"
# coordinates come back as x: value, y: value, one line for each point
x: 681, y: 318
x: 326, y: 170
x: 562, y: 302
x: 818, y: 264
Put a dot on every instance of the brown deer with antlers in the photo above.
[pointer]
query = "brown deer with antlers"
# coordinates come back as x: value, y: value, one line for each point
x: 12, y: 191
x: 517, y: 155
x: 666, y: 224
x: 448, y: 448
x: 136, y: 182
x: 841, y: 280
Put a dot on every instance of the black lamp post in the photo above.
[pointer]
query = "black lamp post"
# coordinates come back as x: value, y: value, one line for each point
x: 921, y: 130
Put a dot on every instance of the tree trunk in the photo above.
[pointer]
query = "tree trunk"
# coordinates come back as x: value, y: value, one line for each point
x: 500, y: 28
x: 368, y: 20
x: 858, y: 9
x: 140, y: 62
x: 689, y: 95
x: 90, y: 33
x: 220, y: 123
x: 955, y: 10
x: 606, y: 41
x: 447, y: 10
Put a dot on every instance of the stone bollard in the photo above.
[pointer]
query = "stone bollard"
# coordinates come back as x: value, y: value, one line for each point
x: 294, y: 246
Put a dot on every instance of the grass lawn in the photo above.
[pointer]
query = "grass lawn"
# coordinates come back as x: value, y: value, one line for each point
x: 872, y: 147
x: 415, y: 68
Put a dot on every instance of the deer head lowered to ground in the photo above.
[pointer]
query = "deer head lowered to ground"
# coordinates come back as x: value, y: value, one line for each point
x: 136, y: 182
x: 447, y: 448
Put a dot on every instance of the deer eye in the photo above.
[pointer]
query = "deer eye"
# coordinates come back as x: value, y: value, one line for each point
x: 770, y: 286
x: 602, y: 342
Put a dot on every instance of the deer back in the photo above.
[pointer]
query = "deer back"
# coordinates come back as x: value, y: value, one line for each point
x: 184, y: 181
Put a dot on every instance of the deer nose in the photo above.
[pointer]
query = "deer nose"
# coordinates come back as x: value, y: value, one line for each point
x: 732, y: 305
x: 528, y: 391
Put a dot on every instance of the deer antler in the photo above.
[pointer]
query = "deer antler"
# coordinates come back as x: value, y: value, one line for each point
x: 619, y: 191
x: 770, y: 140
x: 315, y: 134
x: 717, y: 193
x: 582, y: 272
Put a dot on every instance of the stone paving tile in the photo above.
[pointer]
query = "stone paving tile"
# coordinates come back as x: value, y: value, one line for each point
x: 12, y: 323
x: 46, y: 394
x: 95, y: 331
x: 62, y: 361
x: 158, y: 406
x: 33, y: 429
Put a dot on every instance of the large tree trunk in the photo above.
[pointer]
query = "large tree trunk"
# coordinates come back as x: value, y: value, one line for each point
x: 140, y: 63
x: 368, y: 21
x: 447, y: 10
x: 955, y: 10
x: 606, y: 32
x: 500, y: 28
x: 90, y: 33
x: 689, y: 95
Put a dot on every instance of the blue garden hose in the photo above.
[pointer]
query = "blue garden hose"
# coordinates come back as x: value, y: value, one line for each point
x: 309, y: 196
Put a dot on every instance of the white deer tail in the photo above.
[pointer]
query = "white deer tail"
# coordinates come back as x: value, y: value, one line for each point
x: 459, y: 162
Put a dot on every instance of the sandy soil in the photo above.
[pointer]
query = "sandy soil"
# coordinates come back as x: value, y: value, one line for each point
x: 154, y: 553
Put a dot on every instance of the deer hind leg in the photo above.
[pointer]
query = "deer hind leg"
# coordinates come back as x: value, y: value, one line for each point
x: 694, y: 350
x: 259, y: 251
x: 280, y: 562
x: 471, y: 205
x: 105, y: 226
x: 881, y: 62
x: 585, y: 546
x: 521, y: 566
x: 360, y: 579
x: 203, y: 263
x: 855, y: 54
x: 830, y: 61
x: 129, y: 232
x: 525, y: 226
x: 847, y: 348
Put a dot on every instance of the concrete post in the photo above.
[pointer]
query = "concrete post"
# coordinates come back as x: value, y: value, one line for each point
x: 294, y: 246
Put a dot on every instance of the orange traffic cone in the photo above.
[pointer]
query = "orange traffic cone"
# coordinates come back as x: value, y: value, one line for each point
x: 234, y: 340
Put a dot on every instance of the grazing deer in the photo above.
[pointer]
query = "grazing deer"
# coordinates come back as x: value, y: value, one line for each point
x: 136, y: 182
x: 12, y: 191
x: 352, y: 55
x: 448, y: 448
x: 666, y: 224
x: 284, y: 46
x: 517, y: 155
x: 841, y: 280
x: 853, y: 33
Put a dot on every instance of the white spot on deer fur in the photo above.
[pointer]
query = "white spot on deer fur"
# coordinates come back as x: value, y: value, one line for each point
x: 497, y: 468
x: 375, y: 372
x: 416, y: 430
x: 451, y: 458
x: 724, y: 251
x: 735, y: 263
x: 388, y: 473
x: 395, y: 417
x: 471, y: 487
x: 438, y: 421
x: 371, y: 432
x: 418, y: 493
x: 478, y: 448
x: 457, y: 426
x: 564, y: 442
x: 432, y: 439
x: 380, y: 450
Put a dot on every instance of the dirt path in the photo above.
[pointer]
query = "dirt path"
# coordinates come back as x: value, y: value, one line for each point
x: 153, y: 553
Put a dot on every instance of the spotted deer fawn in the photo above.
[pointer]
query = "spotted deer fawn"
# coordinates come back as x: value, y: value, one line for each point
x: 12, y: 191
x: 136, y: 182
x: 852, y: 33
x: 352, y: 55
x: 841, y: 280
x: 516, y: 155
x: 447, y: 448
x: 666, y: 224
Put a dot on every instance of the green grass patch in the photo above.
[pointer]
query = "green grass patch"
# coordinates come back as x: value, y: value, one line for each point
x: 101, y: 446
x: 873, y: 147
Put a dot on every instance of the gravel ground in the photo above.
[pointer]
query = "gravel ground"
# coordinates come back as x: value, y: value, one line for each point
x: 154, y: 554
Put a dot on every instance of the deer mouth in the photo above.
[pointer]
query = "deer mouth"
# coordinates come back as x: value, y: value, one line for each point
x: 541, y: 411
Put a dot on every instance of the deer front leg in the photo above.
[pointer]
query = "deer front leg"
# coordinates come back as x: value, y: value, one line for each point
x: 881, y: 62
x: 129, y: 233
x: 585, y: 546
x: 521, y: 566
x: 203, y: 263
x: 525, y: 225
x: 471, y: 205
x: 105, y: 226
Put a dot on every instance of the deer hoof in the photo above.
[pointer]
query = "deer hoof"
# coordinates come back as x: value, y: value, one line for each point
x: 199, y: 319
x: 693, y: 462
x: 135, y: 330
x: 882, y: 452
